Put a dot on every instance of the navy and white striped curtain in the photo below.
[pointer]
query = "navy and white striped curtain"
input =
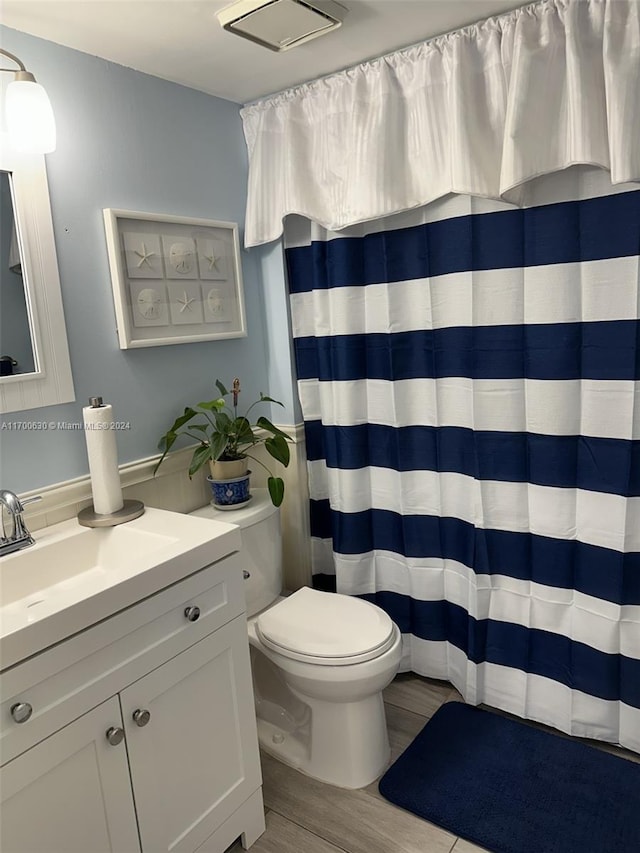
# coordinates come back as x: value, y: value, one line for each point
x: 469, y: 376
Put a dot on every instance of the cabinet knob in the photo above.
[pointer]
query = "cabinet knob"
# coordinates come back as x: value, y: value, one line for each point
x: 115, y: 735
x: 141, y: 717
x: 246, y: 575
x: 21, y: 712
x: 192, y: 613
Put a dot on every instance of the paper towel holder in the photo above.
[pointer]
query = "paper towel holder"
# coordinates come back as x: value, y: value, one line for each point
x: 131, y: 509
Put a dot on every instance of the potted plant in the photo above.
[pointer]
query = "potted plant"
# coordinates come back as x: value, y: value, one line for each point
x: 225, y: 440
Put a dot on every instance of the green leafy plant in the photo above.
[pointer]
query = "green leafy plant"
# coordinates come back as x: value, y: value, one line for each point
x: 224, y: 435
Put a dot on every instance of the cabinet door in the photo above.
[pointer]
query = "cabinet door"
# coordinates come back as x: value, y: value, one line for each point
x: 70, y: 793
x: 196, y: 759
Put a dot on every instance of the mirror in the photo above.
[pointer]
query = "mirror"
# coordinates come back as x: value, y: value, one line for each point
x: 35, y: 369
x: 16, y: 338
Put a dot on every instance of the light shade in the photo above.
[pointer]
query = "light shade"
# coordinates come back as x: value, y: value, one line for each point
x: 30, y: 120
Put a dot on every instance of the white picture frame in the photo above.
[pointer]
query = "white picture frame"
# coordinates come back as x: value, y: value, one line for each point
x: 175, y: 279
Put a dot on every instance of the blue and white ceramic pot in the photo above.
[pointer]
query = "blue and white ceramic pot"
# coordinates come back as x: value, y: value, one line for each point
x: 230, y: 492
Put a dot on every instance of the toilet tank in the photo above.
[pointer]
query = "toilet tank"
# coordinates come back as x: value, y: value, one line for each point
x: 261, y: 552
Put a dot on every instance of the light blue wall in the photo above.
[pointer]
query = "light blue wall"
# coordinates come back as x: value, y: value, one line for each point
x: 277, y: 311
x: 128, y: 140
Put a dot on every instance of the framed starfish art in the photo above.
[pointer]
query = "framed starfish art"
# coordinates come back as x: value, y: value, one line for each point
x: 175, y: 280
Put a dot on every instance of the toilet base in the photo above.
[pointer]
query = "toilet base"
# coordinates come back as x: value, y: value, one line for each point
x: 287, y: 747
x: 348, y: 745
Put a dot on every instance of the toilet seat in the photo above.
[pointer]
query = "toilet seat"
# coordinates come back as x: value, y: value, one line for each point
x: 326, y: 628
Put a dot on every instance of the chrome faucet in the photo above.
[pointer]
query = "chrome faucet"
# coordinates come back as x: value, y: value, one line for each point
x: 19, y: 537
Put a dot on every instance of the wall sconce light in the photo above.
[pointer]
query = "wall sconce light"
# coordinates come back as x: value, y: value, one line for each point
x: 30, y: 120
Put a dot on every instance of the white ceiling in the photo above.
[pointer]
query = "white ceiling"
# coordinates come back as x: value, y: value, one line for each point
x: 181, y: 40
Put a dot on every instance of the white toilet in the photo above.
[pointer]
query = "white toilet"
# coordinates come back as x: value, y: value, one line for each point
x: 319, y: 660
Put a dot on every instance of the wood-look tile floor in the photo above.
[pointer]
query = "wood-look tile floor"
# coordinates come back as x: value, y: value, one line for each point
x: 307, y: 816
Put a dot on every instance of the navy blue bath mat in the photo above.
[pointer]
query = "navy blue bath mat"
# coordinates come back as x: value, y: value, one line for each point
x: 514, y: 789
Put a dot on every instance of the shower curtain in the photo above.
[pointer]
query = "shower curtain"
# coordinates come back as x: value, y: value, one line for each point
x: 469, y: 375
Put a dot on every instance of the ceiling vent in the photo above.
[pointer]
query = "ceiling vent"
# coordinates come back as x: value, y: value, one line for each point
x: 281, y: 24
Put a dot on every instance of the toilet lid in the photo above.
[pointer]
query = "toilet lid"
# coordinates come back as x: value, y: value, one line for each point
x: 326, y: 627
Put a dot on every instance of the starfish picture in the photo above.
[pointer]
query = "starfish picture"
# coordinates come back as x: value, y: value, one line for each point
x: 185, y: 301
x: 144, y: 256
x: 213, y: 261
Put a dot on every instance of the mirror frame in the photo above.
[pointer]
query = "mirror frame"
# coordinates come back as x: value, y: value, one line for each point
x: 52, y: 382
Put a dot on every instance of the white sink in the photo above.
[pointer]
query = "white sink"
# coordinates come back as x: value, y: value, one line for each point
x: 75, y: 576
x: 66, y: 561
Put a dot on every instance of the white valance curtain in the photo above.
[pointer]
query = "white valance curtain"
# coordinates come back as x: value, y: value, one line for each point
x: 479, y: 111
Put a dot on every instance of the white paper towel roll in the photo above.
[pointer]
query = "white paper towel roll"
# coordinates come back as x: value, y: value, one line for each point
x: 103, y: 459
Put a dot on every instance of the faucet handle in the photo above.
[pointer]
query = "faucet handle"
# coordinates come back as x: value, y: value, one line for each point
x: 31, y: 500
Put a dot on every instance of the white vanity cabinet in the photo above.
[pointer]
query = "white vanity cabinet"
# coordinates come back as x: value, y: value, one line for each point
x: 71, y: 792
x: 142, y: 734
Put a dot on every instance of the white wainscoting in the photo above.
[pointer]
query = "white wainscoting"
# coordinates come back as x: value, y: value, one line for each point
x: 172, y: 489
